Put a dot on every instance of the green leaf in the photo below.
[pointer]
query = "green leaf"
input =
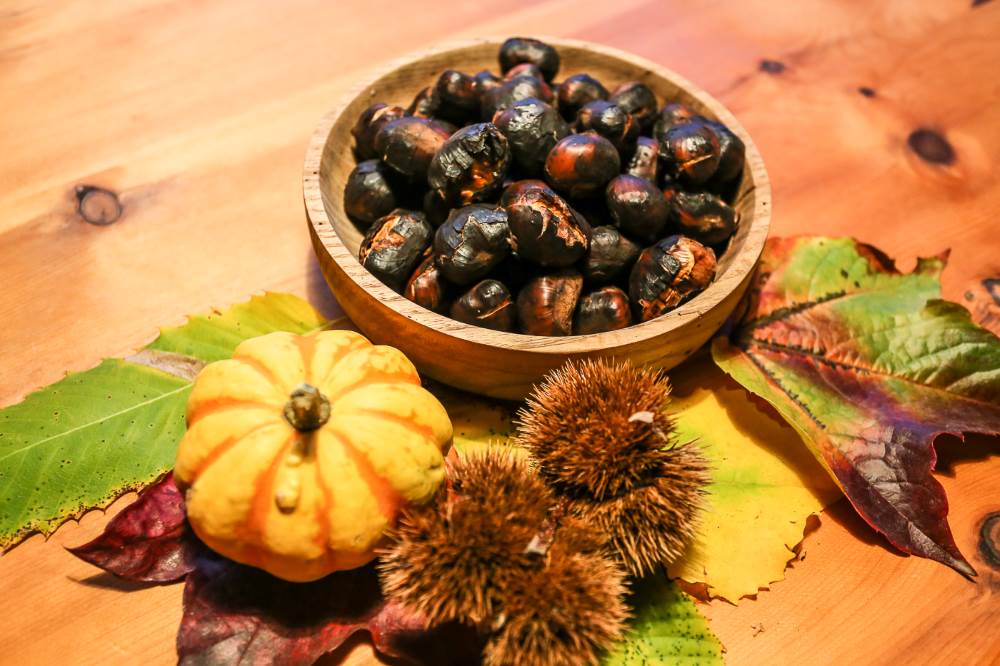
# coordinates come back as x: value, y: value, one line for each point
x: 666, y: 629
x: 93, y: 436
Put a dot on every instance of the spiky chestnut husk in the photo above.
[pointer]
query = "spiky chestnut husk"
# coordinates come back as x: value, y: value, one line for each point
x: 602, y: 441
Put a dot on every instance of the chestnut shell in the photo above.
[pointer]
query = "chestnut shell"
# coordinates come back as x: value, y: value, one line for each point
x: 645, y: 158
x: 704, y: 217
x: 367, y: 126
x: 487, y: 304
x: 407, y: 145
x: 610, y: 121
x: 637, y: 207
x: 637, y: 100
x: 609, y: 256
x: 458, y: 100
x: 427, y: 287
x: 471, y: 242
x: 545, y: 305
x: 532, y: 128
x: 394, y: 245
x: 667, y: 274
x: 690, y: 152
x: 516, y: 50
x: 545, y: 230
x: 670, y: 116
x: 425, y: 104
x: 576, y: 91
x: 602, y: 310
x: 368, y: 194
x: 470, y: 165
x: 581, y: 165
x: 513, y: 90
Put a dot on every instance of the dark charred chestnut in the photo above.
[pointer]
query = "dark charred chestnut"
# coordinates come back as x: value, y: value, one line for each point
x: 516, y: 50
x: 545, y: 230
x: 532, y: 127
x: 577, y: 91
x: 435, y: 208
x: 610, y: 254
x: 670, y: 116
x: 427, y: 287
x: 525, y: 69
x: 485, y: 80
x: 581, y: 165
x: 487, y: 304
x: 690, y: 152
x: 369, y: 123
x: 546, y: 304
x: 514, y: 90
x: 637, y: 207
x: 643, y: 162
x: 667, y: 274
x: 458, y: 100
x: 731, y: 153
x: 610, y: 121
x: 425, y: 104
x: 471, y: 242
x: 518, y: 187
x: 367, y: 194
x: 394, y: 245
x: 470, y: 165
x: 606, y: 309
x: 704, y: 217
x: 408, y: 145
x: 637, y: 100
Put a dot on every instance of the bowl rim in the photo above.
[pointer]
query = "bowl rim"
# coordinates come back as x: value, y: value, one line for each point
x: 738, y: 271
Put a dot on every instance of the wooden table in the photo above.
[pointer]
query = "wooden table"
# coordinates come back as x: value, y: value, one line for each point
x: 878, y: 120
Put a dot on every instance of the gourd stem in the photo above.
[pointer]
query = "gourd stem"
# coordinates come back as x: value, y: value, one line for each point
x: 307, y: 409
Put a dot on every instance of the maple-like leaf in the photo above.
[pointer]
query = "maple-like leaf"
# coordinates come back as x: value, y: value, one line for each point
x: 869, y: 366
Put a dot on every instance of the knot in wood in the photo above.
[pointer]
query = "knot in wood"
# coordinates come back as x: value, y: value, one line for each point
x: 97, y: 205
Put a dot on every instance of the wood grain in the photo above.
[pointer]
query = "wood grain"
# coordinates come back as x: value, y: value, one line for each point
x: 197, y: 115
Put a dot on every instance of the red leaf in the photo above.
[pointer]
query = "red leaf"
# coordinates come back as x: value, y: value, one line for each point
x: 149, y: 540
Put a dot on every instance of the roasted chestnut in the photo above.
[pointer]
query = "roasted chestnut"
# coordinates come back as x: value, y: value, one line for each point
x: 409, y: 144
x: 610, y: 254
x: 435, y: 208
x: 605, y: 309
x: 731, y: 153
x: 487, y: 304
x: 704, y: 217
x: 532, y: 127
x: 458, y: 100
x: 394, y: 245
x: 470, y: 165
x: 643, y: 162
x: 518, y: 187
x: 576, y: 91
x: 670, y: 116
x: 425, y: 104
x: 369, y: 123
x: 516, y: 50
x: 690, y: 152
x: 471, y: 242
x: 637, y: 100
x: 485, y: 80
x: 637, y: 207
x: 546, y: 304
x: 367, y: 194
x: 514, y: 90
x: 667, y: 274
x: 545, y: 230
x: 581, y: 165
x: 610, y: 121
x: 427, y: 287
x: 525, y: 69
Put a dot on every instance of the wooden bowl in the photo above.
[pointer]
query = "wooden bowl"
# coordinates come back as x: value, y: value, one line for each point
x: 493, y: 363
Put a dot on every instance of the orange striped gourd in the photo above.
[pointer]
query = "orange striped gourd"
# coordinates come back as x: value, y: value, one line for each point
x: 300, y: 451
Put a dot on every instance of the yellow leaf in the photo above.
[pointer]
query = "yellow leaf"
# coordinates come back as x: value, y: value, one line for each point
x: 478, y: 422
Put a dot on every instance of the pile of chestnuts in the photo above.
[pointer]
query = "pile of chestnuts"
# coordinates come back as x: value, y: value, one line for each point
x: 518, y: 204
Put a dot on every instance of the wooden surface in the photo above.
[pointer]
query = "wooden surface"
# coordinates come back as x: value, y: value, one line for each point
x: 496, y: 363
x: 197, y: 114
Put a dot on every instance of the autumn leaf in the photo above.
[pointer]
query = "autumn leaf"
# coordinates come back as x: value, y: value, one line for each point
x: 869, y: 366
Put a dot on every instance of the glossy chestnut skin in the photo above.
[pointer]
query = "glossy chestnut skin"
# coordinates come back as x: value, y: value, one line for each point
x: 532, y: 128
x: 487, y: 304
x: 516, y: 50
x: 606, y: 309
x: 518, y: 187
x: 408, y: 145
x: 670, y: 116
x: 524, y: 69
x: 485, y: 80
x: 690, y: 152
x: 458, y: 100
x: 435, y: 208
x: 637, y: 207
x: 427, y: 287
x: 577, y: 91
x: 667, y: 274
x: 513, y: 90
x: 545, y: 305
x: 545, y: 230
x: 368, y: 194
x: 732, y: 153
x: 367, y: 126
x: 581, y: 165
x: 637, y: 100
x: 471, y: 242
x: 394, y: 245
x: 704, y: 217
x: 425, y: 104
x: 609, y: 256
x: 645, y: 159
x: 470, y: 165
x: 610, y: 121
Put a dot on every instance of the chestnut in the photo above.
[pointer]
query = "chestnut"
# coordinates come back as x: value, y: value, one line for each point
x: 667, y: 274
x: 637, y: 207
x: 643, y: 162
x: 457, y: 97
x: 610, y: 121
x: 518, y: 187
x: 485, y: 80
x: 427, y: 287
x: 487, y: 304
x: 514, y: 90
x: 367, y: 194
x: 690, y: 152
x: 470, y: 165
x: 367, y: 126
x: 471, y: 242
x: 610, y: 254
x: 704, y: 217
x: 532, y: 127
x: 637, y: 100
x: 670, y: 116
x: 394, y: 245
x: 516, y: 50
x: 545, y: 230
x: 545, y: 305
x: 576, y: 91
x: 732, y: 152
x: 524, y: 69
x: 581, y: 165
x: 435, y: 208
x: 425, y: 104
x: 408, y: 145
x: 606, y: 309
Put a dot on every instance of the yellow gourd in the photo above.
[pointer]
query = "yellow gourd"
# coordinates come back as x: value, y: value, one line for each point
x: 300, y: 451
